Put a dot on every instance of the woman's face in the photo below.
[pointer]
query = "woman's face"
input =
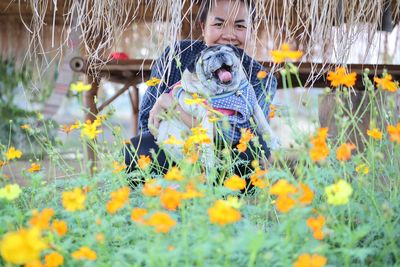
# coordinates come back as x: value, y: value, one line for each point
x: 227, y: 23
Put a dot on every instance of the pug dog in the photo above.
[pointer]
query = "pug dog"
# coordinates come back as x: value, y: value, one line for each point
x: 217, y: 76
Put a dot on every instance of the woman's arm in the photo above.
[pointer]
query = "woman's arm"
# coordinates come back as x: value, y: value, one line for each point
x: 154, y: 100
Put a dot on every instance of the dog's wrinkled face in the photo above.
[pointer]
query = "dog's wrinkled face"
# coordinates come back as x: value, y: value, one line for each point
x: 219, y: 69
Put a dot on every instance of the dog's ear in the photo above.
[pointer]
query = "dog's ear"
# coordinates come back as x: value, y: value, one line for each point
x: 191, y: 67
x: 238, y: 51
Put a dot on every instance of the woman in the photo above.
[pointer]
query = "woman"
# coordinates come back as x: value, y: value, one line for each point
x: 222, y: 22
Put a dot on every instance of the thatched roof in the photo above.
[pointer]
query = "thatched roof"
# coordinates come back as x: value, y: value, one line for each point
x: 101, y: 22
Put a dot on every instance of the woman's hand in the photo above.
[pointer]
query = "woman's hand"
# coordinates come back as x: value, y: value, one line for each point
x: 163, y: 102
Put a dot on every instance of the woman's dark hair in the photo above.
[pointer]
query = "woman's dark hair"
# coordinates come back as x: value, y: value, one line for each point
x: 205, y: 6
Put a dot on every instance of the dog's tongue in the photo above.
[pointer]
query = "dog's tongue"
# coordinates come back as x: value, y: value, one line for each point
x: 224, y: 75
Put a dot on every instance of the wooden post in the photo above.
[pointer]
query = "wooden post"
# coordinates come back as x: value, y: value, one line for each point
x: 134, y: 98
x: 90, y: 98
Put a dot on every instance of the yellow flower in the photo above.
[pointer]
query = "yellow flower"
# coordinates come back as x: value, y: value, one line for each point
x: 196, y: 100
x: 222, y: 213
x: 13, y: 153
x: 25, y: 126
x: 60, y: 227
x: 53, y: 259
x: 153, y: 81
x: 339, y: 77
x: 118, y: 200
x: 84, y: 253
x: 144, y: 162
x: 272, y: 111
x: 375, y: 133
x: 343, y: 153
x: 35, y: 167
x: 161, y: 221
x: 174, y: 174
x: 279, y: 56
x: 339, y: 193
x: 172, y: 140
x: 41, y: 219
x: 362, y: 168
x: 73, y: 200
x: 386, y: 83
x: 394, y: 132
x: 199, y: 136
x: 262, y: 74
x: 234, y: 202
x: 22, y: 246
x: 90, y: 129
x: 118, y: 167
x: 10, y: 191
x: 307, y: 260
x: 235, y: 183
x: 80, y: 87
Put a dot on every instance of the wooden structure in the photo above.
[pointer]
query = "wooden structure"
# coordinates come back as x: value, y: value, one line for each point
x: 131, y: 72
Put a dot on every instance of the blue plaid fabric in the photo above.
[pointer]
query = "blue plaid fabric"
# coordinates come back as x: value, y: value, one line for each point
x: 170, y: 73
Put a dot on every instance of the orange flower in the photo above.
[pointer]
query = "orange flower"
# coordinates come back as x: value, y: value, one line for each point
x: 258, y: 178
x: 282, y: 188
x: 386, y: 83
x: 339, y: 77
x: 319, y: 150
x: 394, y: 132
x: 375, y: 133
x: 174, y: 174
x: 25, y: 126
x: 137, y: 215
x: 118, y: 167
x: 161, y: 221
x: 222, y: 213
x: 144, y: 162
x: 35, y: 263
x: 84, y: 253
x: 316, y: 225
x: 235, y: 183
x: 2, y: 163
x: 284, y: 203
x: 118, y: 200
x: 191, y: 192
x: 60, y: 227
x: 262, y: 74
x: 42, y: 219
x: 247, y: 135
x: 307, y: 260
x: 279, y: 56
x: 151, y: 188
x: 100, y: 238
x: 53, y: 259
x: 343, y: 153
x: 242, y: 147
x: 35, y: 167
x: 170, y: 199
x: 272, y: 110
x: 307, y: 195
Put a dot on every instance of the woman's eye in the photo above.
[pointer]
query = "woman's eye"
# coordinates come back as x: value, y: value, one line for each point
x: 239, y: 26
x: 217, y: 24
